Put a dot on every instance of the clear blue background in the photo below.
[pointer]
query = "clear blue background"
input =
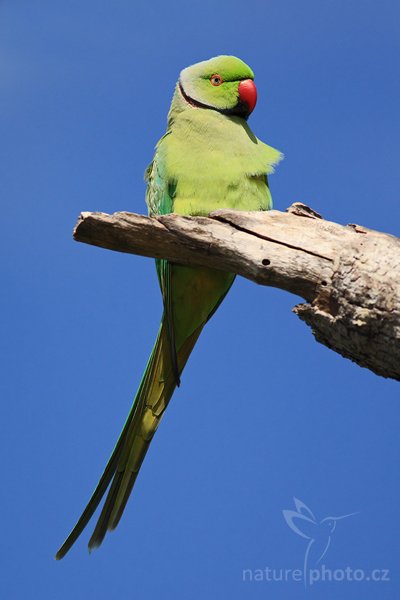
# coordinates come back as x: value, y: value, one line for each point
x: 264, y: 413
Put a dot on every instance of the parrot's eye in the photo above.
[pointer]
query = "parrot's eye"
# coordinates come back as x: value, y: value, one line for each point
x: 216, y: 79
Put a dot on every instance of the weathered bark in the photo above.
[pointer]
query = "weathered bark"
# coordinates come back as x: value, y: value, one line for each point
x: 349, y: 275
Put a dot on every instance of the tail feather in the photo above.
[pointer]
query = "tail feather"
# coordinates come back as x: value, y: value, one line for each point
x: 118, y: 513
x: 140, y: 436
x: 154, y: 393
x: 99, y: 492
x: 100, y: 529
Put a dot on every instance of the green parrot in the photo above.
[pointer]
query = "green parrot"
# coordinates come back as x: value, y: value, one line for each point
x: 208, y: 159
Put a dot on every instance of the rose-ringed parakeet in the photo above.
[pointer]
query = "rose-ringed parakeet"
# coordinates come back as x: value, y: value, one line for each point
x: 208, y: 159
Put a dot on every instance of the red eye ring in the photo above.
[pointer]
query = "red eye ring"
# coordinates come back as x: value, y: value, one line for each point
x: 216, y: 79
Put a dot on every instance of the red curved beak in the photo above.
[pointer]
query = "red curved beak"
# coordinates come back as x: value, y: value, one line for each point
x: 248, y: 93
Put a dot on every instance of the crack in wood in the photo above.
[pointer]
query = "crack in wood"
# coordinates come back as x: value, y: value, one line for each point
x: 226, y: 220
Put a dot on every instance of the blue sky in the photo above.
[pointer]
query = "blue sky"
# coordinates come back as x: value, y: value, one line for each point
x: 264, y: 413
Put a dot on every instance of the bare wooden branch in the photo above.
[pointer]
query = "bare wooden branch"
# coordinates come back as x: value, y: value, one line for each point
x: 348, y: 275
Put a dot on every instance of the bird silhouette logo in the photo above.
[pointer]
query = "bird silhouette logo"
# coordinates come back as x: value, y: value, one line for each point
x: 318, y: 532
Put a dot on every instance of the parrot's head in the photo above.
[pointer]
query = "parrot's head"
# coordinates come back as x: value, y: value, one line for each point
x: 223, y: 83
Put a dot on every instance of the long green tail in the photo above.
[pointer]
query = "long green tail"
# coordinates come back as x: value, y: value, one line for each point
x: 154, y: 393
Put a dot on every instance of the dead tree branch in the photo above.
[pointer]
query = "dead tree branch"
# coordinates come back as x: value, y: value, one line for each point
x: 348, y: 275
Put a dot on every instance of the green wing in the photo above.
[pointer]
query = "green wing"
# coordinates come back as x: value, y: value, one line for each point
x: 160, y: 201
x: 160, y: 191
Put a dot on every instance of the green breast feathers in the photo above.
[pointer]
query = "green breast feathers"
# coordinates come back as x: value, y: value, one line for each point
x: 208, y: 160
